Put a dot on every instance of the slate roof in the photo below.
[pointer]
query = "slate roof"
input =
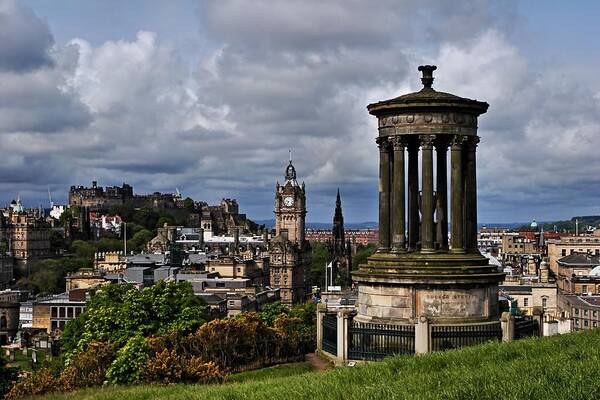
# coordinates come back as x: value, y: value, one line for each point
x: 579, y: 259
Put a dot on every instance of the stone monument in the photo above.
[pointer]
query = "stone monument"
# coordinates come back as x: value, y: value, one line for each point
x: 417, y: 272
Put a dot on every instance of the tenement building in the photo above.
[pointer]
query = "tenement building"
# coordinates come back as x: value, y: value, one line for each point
x: 566, y: 245
x: 26, y: 233
x: 289, y: 251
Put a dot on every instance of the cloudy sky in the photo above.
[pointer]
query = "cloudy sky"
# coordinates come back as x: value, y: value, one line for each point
x: 207, y: 97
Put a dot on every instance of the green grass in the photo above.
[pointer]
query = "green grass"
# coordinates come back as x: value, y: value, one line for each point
x: 278, y: 371
x: 560, y: 367
x: 21, y: 361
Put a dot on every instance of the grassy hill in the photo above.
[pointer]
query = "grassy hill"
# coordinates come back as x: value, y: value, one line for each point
x: 560, y: 367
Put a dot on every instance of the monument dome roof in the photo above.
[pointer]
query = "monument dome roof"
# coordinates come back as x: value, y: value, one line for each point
x: 428, y: 98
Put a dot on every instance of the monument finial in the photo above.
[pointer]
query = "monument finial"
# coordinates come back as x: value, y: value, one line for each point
x: 427, y: 78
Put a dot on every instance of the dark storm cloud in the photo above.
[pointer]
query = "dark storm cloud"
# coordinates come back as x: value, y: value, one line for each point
x: 295, y: 74
x: 25, y: 39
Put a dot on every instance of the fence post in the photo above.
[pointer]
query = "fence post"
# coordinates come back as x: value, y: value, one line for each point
x: 507, y: 322
x: 422, y: 335
x: 538, y: 315
x: 321, y: 310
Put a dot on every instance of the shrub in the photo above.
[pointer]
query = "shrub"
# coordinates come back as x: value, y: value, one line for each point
x: 165, y: 367
x: 131, y: 358
x: 8, y: 376
x: 40, y: 382
x: 197, y: 371
x: 89, y: 367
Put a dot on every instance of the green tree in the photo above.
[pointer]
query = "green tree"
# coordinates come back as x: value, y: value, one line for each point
x: 320, y: 257
x: 119, y: 312
x: 83, y: 249
x: 362, y: 253
x: 189, y: 204
x: 128, y: 367
x: 139, y: 240
x: 271, y: 311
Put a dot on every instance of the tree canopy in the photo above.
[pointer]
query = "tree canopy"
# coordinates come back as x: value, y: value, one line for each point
x: 118, y: 312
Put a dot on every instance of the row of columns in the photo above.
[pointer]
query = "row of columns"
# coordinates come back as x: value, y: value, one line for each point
x: 412, y: 227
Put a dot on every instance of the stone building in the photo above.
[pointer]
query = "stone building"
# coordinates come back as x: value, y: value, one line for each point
x: 518, y: 244
x: 584, y: 311
x: 9, y: 321
x: 533, y: 291
x: 340, y: 249
x: 415, y: 271
x: 7, y: 266
x: 289, y: 251
x: 53, y: 312
x: 558, y: 248
x: 26, y: 234
x: 579, y: 273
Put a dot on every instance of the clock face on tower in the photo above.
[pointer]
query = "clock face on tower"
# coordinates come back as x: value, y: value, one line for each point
x: 288, y: 201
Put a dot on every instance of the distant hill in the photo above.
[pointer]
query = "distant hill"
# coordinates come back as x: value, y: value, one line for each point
x: 568, y: 225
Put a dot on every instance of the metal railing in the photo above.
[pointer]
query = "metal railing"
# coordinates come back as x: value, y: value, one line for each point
x: 445, y: 337
x: 330, y: 333
x: 526, y: 326
x: 375, y: 341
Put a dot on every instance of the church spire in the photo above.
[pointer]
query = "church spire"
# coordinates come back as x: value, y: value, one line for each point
x: 338, y: 217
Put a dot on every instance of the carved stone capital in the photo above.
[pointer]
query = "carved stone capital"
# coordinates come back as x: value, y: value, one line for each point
x: 458, y: 141
x: 473, y: 142
x: 427, y: 141
x: 399, y: 143
x: 383, y: 143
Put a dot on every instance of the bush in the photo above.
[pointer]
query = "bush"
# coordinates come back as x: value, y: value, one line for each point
x: 40, y: 382
x: 165, y: 367
x: 271, y: 311
x: 89, y: 367
x: 8, y: 376
x: 128, y: 366
x: 197, y: 371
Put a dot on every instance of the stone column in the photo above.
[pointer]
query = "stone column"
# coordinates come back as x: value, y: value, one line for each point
x: 413, y: 196
x: 442, y: 194
x: 422, y: 335
x: 398, y: 207
x: 471, y: 195
x: 427, y: 201
x: 457, y: 195
x: 384, y: 194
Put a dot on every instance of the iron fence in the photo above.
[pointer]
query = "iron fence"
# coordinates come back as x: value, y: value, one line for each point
x: 330, y: 333
x: 526, y: 326
x: 445, y: 337
x: 375, y: 341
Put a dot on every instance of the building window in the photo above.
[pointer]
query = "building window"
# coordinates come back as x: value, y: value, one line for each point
x: 594, y: 313
x: 61, y: 312
x: 585, y: 313
x: 585, y: 323
x: 564, y: 252
x: 572, y: 251
x: 54, y: 312
x: 584, y: 288
x: 577, y: 311
x: 526, y: 302
x: 544, y: 302
x: 595, y: 324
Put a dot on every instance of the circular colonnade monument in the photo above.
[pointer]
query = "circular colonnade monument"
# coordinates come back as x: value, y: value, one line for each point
x: 416, y: 272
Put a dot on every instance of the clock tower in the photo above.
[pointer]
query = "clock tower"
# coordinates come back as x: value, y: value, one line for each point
x: 289, y: 251
x: 290, y: 207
